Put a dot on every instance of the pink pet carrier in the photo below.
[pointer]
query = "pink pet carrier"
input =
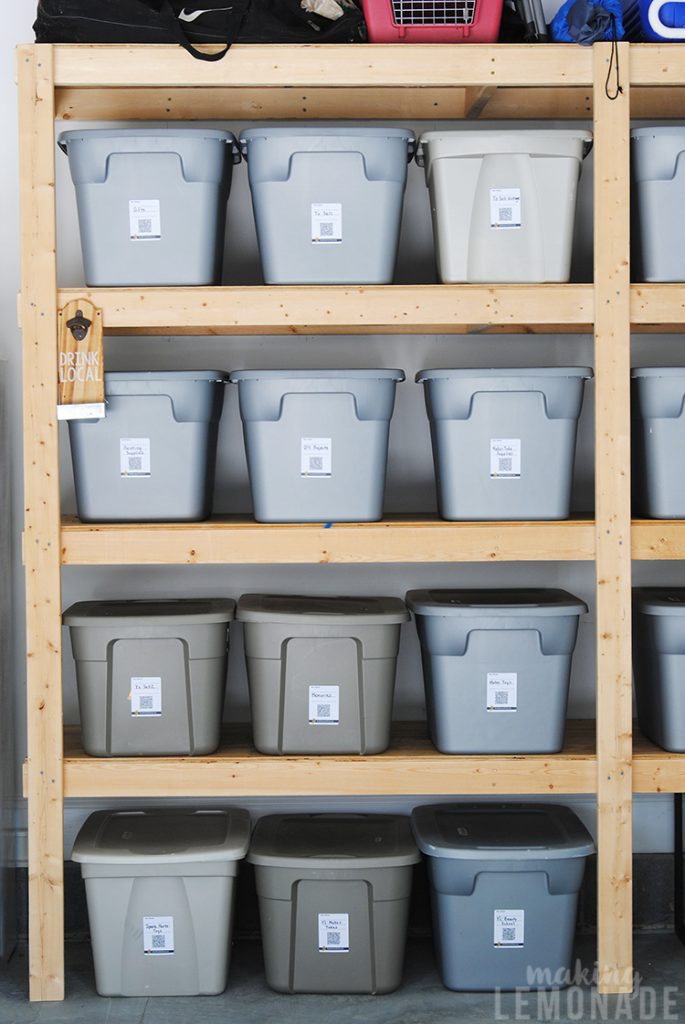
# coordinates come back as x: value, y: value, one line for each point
x: 433, y: 21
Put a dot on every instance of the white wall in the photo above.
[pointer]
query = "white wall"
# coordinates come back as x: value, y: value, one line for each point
x: 410, y: 474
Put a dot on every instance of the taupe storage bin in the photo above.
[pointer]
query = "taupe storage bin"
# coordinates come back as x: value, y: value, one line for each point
x: 504, y: 888
x: 327, y: 201
x: 160, y: 891
x: 659, y: 664
x: 151, y: 675
x: 658, y: 421
x: 151, y: 203
x: 504, y: 440
x: 503, y: 202
x: 496, y: 667
x: 153, y: 456
x: 321, y: 671
x: 333, y: 900
x: 658, y: 223
x: 316, y: 442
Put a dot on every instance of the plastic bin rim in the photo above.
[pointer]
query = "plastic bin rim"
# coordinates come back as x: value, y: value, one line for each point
x: 234, y: 847
x: 641, y: 133
x: 255, y: 608
x: 122, y: 376
x: 579, y: 845
x: 660, y: 600
x: 268, y: 850
x: 657, y: 371
x: 133, y: 613
x: 440, y: 603
x: 359, y: 374
x: 85, y: 134
x: 494, y: 133
x: 509, y: 372
x: 315, y: 862
x: 332, y: 131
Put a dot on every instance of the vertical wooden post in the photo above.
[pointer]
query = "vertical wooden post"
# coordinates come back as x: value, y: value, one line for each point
x: 612, y: 514
x: 41, y: 523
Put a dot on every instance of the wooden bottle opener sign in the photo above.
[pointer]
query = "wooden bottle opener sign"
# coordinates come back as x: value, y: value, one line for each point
x: 80, y: 366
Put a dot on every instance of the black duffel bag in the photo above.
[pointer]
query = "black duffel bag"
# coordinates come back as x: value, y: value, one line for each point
x: 173, y: 21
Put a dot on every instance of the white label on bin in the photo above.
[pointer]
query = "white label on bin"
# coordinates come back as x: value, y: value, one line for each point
x: 316, y: 456
x: 134, y: 455
x: 145, y: 219
x: 509, y: 927
x: 158, y: 936
x: 146, y: 696
x: 505, y: 207
x: 334, y: 933
x: 505, y: 457
x: 501, y: 691
x: 324, y: 705
x: 326, y: 223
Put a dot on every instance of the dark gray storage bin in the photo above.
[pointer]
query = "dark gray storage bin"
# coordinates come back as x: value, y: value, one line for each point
x: 316, y: 442
x: 321, y: 671
x: 659, y: 664
x: 658, y: 421
x: 333, y: 900
x: 496, y: 667
x: 151, y: 203
x: 658, y: 208
x: 160, y: 891
x: 327, y: 201
x: 504, y: 888
x: 504, y: 440
x: 151, y: 675
x: 153, y: 456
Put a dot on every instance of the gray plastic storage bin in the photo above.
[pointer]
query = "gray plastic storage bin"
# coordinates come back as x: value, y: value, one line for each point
x: 504, y: 887
x: 151, y: 675
x: 160, y: 892
x: 503, y: 202
x: 658, y: 421
x: 658, y: 172
x: 321, y: 671
x: 496, y: 667
x: 504, y: 440
x: 333, y: 900
x: 153, y: 456
x: 151, y: 203
x: 659, y: 664
x: 327, y: 201
x: 316, y: 442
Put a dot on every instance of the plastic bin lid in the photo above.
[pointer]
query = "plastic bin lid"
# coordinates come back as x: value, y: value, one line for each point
x: 84, y: 135
x: 643, y: 133
x: 657, y: 371
x: 374, y: 374
x: 342, y: 131
x: 333, y: 841
x: 500, y: 832
x: 522, y: 372
x: 319, y: 611
x: 660, y: 600
x: 176, y: 612
x: 116, y: 376
x: 511, y: 603
x: 163, y: 836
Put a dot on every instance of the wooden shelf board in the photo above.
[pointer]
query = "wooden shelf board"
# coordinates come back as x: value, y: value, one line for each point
x: 410, y: 767
x: 657, y: 64
x: 657, y: 307
x: 239, y: 540
x: 380, y: 309
x: 656, y: 770
x: 658, y: 539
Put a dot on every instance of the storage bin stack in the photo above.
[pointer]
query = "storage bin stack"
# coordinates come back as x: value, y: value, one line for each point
x: 504, y: 885
x: 160, y: 892
x: 333, y: 900
x: 659, y: 663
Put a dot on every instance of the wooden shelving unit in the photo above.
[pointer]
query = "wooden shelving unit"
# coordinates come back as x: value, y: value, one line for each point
x: 118, y: 82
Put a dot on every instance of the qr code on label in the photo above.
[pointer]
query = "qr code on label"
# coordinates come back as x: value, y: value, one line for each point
x: 333, y: 938
x: 506, y: 213
x: 145, y: 703
x: 326, y: 229
x: 323, y: 710
x: 315, y: 462
x: 501, y: 697
x: 159, y: 941
x: 508, y: 935
x: 505, y: 465
x: 135, y: 462
x: 145, y: 226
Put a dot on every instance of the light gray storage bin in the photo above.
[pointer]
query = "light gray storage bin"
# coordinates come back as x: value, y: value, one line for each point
x: 658, y: 422
x: 333, y: 900
x: 659, y: 664
x: 504, y: 440
x: 503, y: 202
x: 327, y: 201
x: 316, y: 442
x: 658, y: 208
x: 151, y: 203
x: 504, y: 884
x: 321, y: 671
x: 151, y: 675
x: 153, y: 456
x: 160, y: 891
x: 496, y: 667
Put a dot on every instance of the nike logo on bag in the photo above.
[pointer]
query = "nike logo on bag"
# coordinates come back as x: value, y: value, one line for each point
x: 194, y: 15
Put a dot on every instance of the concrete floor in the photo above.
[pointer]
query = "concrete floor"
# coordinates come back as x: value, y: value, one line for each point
x: 660, y: 996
